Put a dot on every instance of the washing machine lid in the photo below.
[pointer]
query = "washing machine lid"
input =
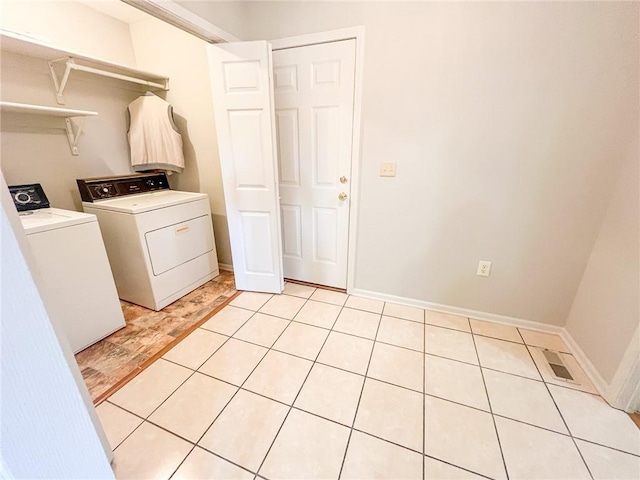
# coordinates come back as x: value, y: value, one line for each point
x: 46, y: 219
x: 146, y: 202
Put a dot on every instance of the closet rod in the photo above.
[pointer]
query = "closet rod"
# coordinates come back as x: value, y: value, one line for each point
x: 104, y: 73
x: 70, y: 65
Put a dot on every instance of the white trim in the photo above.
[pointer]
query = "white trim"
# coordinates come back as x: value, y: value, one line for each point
x: 320, y: 37
x: 624, y: 390
x: 625, y: 386
x: 274, y: 154
x: 225, y: 266
x: 633, y: 405
x: 438, y: 307
x: 184, y: 19
x: 356, y: 33
x: 585, y: 363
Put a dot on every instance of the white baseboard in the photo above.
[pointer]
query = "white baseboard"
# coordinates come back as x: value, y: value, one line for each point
x: 588, y: 367
x: 465, y: 312
x: 225, y: 266
x: 624, y: 390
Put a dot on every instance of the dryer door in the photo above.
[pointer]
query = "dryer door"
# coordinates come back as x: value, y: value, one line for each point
x: 176, y: 244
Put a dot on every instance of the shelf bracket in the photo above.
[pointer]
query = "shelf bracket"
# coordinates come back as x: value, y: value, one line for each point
x: 61, y: 84
x: 72, y: 135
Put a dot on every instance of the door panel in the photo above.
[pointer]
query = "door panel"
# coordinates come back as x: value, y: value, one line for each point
x: 286, y: 79
x: 291, y: 231
x: 258, y: 255
x: 288, y: 151
x: 247, y: 152
x: 325, y: 235
x: 326, y: 138
x: 314, y: 95
x: 243, y: 107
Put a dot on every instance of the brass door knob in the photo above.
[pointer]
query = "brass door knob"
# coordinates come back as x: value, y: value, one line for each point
x: 342, y: 196
x: 343, y: 179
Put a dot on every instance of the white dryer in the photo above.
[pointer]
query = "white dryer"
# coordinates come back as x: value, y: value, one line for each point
x: 77, y: 286
x: 159, y: 241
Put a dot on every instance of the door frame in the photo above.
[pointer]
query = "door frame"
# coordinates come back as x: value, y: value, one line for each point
x: 357, y: 34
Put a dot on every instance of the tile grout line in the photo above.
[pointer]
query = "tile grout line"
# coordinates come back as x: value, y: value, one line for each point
x: 493, y: 419
x: 541, y: 379
x: 131, y: 433
x: 236, y: 292
x: 559, y: 412
x: 362, y: 431
x: 334, y: 367
x: 247, y: 378
x: 567, y: 385
x: 152, y: 357
x: 457, y: 467
x: 195, y: 444
x: 355, y: 415
x: 379, y: 380
x: 192, y: 370
x: 302, y: 384
x: 364, y: 381
x: 146, y: 419
x: 193, y: 447
x: 424, y: 396
x: 636, y: 455
x: 297, y: 356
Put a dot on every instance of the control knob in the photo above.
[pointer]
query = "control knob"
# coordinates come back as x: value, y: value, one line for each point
x: 22, y: 197
x: 102, y: 191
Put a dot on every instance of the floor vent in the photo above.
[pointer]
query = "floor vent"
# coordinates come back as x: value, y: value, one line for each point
x: 557, y: 366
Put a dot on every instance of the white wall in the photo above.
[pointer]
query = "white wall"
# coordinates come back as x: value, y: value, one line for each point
x: 605, y: 314
x: 70, y: 25
x: 161, y: 47
x: 35, y: 149
x: 508, y: 122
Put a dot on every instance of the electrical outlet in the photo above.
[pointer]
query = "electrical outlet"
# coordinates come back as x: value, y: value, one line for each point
x: 484, y: 268
x: 388, y: 169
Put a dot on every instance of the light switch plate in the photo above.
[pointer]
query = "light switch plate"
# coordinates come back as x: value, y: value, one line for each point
x: 388, y: 169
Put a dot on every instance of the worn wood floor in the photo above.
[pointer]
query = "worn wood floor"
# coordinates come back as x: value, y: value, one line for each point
x: 118, y: 356
x: 636, y: 418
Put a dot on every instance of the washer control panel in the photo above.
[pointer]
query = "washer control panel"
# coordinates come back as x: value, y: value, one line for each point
x: 28, y: 197
x: 96, y: 189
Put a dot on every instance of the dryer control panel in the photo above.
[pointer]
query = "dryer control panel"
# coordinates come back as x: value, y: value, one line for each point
x: 95, y: 189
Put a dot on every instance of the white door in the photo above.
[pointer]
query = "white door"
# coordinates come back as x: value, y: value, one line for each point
x: 314, y: 101
x: 242, y: 101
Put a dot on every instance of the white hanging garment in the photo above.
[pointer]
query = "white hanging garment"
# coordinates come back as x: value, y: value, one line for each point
x: 153, y: 136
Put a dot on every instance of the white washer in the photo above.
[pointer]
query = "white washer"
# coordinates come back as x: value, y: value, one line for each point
x: 78, y: 288
x: 159, y: 241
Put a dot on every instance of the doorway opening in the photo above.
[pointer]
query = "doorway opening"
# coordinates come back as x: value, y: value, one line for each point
x: 290, y: 164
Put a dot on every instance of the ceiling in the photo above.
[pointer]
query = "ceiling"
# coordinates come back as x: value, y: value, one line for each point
x: 116, y: 9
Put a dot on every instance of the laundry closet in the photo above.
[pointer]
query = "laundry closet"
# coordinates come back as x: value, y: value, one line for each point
x: 69, y: 72
x: 286, y: 143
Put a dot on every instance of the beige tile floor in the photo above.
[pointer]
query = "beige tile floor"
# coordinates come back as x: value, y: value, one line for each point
x: 318, y: 384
